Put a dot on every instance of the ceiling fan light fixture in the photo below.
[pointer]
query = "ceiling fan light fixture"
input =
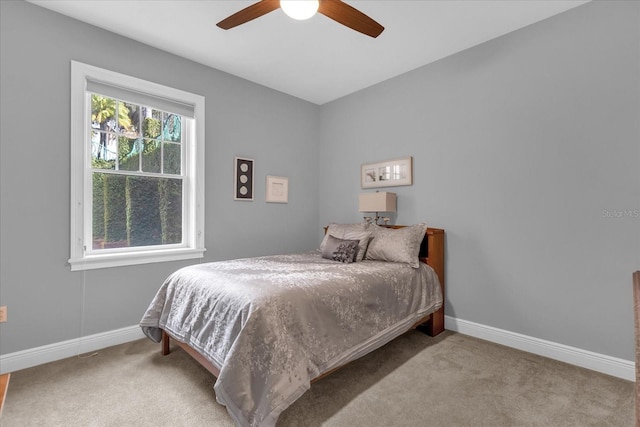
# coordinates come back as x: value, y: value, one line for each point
x: 300, y: 9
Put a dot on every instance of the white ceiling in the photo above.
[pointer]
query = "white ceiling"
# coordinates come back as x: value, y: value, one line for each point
x: 317, y: 60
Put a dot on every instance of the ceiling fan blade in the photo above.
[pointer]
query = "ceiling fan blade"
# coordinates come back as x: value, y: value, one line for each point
x: 350, y: 16
x: 247, y: 14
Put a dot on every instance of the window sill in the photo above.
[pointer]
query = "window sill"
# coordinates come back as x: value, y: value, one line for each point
x: 91, y: 262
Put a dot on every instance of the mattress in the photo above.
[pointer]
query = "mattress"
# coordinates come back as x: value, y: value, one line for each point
x: 272, y: 324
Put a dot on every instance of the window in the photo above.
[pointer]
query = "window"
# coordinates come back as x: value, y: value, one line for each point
x: 137, y: 171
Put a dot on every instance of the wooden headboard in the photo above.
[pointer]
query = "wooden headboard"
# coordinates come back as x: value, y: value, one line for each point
x: 432, y: 254
x: 431, y: 250
x: 435, y: 259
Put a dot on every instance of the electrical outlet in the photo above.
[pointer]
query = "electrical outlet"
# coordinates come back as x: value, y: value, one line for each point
x: 3, y: 313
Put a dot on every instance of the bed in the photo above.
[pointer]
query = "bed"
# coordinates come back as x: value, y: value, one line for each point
x: 267, y: 327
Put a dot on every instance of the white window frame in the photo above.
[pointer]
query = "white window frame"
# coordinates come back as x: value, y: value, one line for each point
x: 82, y: 258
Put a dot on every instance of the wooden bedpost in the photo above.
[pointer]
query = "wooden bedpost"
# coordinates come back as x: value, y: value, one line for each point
x: 435, y: 259
x: 165, y: 343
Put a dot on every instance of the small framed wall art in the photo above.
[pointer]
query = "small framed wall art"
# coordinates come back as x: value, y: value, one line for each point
x: 243, y: 182
x: 277, y: 189
x: 389, y: 173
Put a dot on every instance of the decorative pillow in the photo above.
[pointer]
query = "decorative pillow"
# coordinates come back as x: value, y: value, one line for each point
x: 340, y: 249
x: 396, y: 245
x: 350, y: 232
x: 363, y: 238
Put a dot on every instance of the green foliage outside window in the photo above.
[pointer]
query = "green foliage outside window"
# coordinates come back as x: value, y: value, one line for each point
x: 133, y: 210
x: 151, y: 127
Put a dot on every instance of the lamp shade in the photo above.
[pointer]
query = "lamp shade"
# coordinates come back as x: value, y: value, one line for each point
x: 377, y: 202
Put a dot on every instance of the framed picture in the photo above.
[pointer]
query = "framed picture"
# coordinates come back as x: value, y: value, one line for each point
x: 243, y: 183
x: 277, y: 189
x: 389, y: 173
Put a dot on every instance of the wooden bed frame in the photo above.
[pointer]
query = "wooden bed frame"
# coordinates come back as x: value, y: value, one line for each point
x: 431, y: 253
x: 636, y: 316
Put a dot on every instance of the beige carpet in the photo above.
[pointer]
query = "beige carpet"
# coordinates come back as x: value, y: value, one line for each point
x: 451, y: 380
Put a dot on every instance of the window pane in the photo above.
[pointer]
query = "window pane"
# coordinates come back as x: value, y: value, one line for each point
x: 152, y: 156
x: 156, y: 114
x: 172, y: 129
x: 172, y: 158
x: 103, y: 149
x: 128, y: 119
x: 152, y: 123
x: 131, y: 211
x: 129, y: 154
x: 103, y: 112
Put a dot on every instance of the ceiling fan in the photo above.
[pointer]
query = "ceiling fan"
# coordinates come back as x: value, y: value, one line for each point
x: 303, y: 9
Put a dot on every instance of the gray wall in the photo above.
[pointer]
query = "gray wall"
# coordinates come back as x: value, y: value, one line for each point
x: 520, y: 145
x: 44, y: 298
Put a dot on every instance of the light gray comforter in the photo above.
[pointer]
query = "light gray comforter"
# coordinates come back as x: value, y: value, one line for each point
x: 271, y: 324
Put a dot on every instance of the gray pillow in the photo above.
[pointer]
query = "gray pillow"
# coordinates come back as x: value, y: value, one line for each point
x: 350, y: 232
x: 363, y: 238
x: 340, y: 249
x: 396, y: 245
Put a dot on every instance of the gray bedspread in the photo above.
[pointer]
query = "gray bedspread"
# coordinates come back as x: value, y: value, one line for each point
x: 271, y: 324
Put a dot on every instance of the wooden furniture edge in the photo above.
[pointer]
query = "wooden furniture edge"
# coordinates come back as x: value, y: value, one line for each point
x: 4, y: 385
x: 434, y: 322
x: 190, y: 351
x: 166, y: 338
x: 435, y: 259
x: 636, y: 316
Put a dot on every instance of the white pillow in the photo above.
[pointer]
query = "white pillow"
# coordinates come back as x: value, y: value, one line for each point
x: 396, y: 245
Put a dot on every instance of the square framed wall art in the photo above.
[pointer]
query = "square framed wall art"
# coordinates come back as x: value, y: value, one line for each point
x: 277, y: 189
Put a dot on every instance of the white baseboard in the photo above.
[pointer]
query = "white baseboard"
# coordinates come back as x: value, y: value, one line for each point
x: 613, y: 366
x: 620, y: 368
x: 49, y: 353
